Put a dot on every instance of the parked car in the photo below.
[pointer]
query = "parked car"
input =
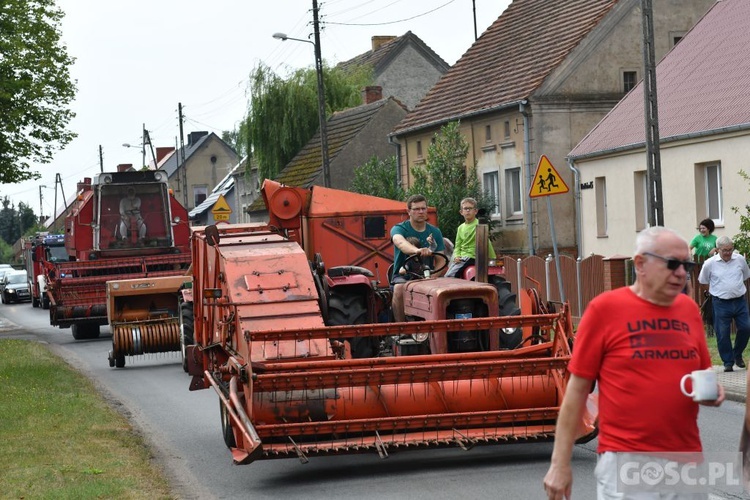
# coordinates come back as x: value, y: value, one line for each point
x: 15, y: 287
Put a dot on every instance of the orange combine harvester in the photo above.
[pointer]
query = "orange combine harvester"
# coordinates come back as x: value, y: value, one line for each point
x: 292, y: 328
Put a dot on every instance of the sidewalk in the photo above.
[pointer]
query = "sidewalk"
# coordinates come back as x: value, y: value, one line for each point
x: 735, y: 383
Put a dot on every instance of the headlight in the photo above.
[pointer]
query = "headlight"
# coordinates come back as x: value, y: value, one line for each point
x: 492, y: 263
x: 10, y: 290
x: 106, y: 179
x: 158, y: 176
x: 420, y: 337
x: 509, y: 331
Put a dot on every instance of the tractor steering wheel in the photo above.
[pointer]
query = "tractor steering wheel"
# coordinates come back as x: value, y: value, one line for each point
x: 418, y: 258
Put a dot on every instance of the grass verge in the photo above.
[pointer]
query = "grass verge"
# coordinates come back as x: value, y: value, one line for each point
x: 712, y: 349
x: 60, y: 439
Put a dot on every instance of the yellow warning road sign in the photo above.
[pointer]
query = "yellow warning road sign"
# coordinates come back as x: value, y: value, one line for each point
x: 547, y: 180
x: 221, y: 207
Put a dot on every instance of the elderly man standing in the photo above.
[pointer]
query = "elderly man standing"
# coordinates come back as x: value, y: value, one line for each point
x: 725, y: 274
x: 637, y: 343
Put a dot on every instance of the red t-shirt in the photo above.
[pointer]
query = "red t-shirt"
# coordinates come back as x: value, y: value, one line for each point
x: 638, y: 352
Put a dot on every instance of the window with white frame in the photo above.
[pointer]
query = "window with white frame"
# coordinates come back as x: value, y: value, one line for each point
x: 492, y: 190
x: 600, y: 186
x: 714, y: 192
x: 513, y: 194
x: 640, y: 192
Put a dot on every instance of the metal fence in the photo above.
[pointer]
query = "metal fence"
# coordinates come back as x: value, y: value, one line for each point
x: 582, y: 279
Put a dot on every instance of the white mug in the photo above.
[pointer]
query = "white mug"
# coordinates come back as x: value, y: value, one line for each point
x: 705, y: 385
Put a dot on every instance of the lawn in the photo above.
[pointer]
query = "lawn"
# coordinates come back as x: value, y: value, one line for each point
x: 712, y: 349
x: 60, y: 439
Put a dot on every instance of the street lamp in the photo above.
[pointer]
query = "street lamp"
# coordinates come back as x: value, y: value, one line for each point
x: 321, y: 97
x: 143, y: 151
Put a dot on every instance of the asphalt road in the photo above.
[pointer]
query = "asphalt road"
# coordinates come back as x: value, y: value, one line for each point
x: 184, y: 430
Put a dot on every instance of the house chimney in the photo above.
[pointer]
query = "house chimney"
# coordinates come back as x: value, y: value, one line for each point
x: 193, y: 137
x: 372, y: 93
x: 124, y: 167
x: 379, y: 41
x: 162, y: 153
x: 84, y: 185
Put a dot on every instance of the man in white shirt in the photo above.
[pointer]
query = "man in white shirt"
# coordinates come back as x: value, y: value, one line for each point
x: 130, y: 206
x: 725, y: 274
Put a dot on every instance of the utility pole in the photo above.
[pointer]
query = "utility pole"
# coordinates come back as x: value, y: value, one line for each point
x: 41, y: 210
x: 143, y: 146
x: 101, y: 159
x: 150, y: 146
x: 181, y: 158
x: 474, y: 8
x: 651, y: 111
x: 321, y: 99
x: 58, y: 180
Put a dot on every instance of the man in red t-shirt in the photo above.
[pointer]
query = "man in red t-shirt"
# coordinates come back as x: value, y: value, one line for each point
x: 637, y: 342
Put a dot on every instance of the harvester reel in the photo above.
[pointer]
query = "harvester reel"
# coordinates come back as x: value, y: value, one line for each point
x: 132, y: 339
x: 418, y: 258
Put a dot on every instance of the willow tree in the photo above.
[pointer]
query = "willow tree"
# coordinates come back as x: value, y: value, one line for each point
x: 283, y: 112
x: 35, y: 87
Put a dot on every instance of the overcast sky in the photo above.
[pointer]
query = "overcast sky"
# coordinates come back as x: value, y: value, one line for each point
x: 136, y: 60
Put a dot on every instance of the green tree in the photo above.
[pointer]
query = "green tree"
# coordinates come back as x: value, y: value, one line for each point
x: 742, y: 239
x: 35, y: 87
x: 232, y: 137
x: 378, y: 178
x: 445, y: 180
x: 283, y: 113
x: 15, y: 222
x: 6, y: 253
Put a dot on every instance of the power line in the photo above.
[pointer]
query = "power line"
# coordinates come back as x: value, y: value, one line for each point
x: 380, y: 9
x: 393, y: 22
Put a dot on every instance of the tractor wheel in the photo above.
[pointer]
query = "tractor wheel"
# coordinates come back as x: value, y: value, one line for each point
x: 226, y: 427
x: 352, y: 310
x: 45, y: 301
x: 34, y: 302
x: 509, y: 339
x: 186, y: 330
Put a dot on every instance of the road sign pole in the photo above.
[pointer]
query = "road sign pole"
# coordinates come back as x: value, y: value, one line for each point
x: 554, y: 248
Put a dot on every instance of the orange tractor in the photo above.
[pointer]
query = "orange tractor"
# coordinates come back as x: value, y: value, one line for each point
x: 291, y: 326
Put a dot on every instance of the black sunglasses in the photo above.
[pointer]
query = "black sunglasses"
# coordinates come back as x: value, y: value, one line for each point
x: 674, y: 264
